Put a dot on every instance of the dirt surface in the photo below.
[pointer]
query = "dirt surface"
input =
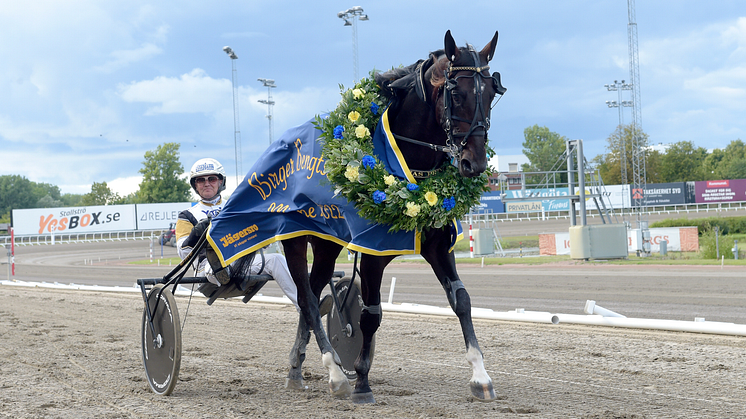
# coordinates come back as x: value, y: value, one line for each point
x: 71, y: 354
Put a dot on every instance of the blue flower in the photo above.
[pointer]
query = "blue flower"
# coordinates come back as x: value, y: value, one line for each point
x: 368, y: 162
x: 379, y: 196
x: 338, y: 130
x: 449, y: 203
x: 412, y: 186
x: 374, y: 108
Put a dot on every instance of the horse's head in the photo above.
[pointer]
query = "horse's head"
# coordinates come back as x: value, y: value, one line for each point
x: 463, y: 91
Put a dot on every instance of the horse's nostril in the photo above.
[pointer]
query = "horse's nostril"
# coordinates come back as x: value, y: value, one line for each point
x: 466, y: 168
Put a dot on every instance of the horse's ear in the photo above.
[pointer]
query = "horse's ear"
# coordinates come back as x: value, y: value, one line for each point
x: 489, y: 50
x: 452, y: 52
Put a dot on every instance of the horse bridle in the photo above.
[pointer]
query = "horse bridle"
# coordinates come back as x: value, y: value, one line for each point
x: 454, y: 147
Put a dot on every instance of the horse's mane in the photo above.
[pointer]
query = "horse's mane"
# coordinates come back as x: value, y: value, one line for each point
x: 403, y: 80
x: 397, y: 79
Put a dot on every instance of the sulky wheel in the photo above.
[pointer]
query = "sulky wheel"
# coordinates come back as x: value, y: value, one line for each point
x: 161, y: 345
x: 347, y: 339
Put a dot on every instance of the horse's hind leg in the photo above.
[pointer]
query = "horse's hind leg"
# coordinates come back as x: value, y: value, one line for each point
x: 325, y: 253
x: 435, y: 251
x: 294, y: 380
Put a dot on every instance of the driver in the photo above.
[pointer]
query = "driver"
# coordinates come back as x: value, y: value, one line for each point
x: 207, y: 178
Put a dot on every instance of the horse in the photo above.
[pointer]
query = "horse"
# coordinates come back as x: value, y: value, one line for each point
x: 440, y: 113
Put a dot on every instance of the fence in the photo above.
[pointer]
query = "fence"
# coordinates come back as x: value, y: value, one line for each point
x: 663, y: 209
x: 35, y: 240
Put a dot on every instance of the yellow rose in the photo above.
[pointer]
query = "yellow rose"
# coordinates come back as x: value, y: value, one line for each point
x: 361, y: 131
x: 358, y: 93
x: 412, y: 209
x: 389, y: 180
x: 353, y: 116
x: 431, y: 198
x: 352, y: 173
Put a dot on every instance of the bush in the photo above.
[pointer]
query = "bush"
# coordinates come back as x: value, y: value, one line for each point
x: 708, y: 249
x: 726, y: 225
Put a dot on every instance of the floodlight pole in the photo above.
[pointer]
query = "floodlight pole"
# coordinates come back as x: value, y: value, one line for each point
x: 269, y: 84
x: 350, y: 17
x: 618, y: 87
x: 236, y: 130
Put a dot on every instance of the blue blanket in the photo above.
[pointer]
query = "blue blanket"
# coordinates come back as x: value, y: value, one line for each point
x: 287, y: 194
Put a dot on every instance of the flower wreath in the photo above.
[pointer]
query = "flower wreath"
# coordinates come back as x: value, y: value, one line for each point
x: 378, y: 195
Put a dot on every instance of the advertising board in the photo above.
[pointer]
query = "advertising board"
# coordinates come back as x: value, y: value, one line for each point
x: 490, y: 202
x: 709, y: 191
x: 678, y: 239
x: 617, y: 196
x: 159, y: 216
x: 540, y: 196
x: 71, y: 220
x: 656, y: 194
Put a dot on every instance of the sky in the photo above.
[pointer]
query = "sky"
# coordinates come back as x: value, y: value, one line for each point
x: 87, y: 87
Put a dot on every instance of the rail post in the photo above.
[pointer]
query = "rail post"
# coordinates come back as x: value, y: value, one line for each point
x: 12, y: 253
x: 471, y: 239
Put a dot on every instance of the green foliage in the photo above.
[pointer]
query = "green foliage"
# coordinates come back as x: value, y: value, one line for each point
x: 17, y: 192
x: 431, y: 203
x: 708, y: 245
x: 71, y: 200
x: 544, y: 149
x: 725, y: 225
x: 100, y: 195
x: 48, y: 202
x: 620, y: 152
x: 683, y: 162
x: 161, y: 171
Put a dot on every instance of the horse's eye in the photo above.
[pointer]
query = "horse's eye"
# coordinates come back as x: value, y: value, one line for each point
x: 456, y: 97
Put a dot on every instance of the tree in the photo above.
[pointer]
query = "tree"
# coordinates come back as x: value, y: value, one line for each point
x: 161, y: 182
x: 544, y: 149
x: 620, y: 144
x: 729, y: 163
x: 16, y: 192
x: 48, y: 202
x: 71, y: 200
x: 711, y: 164
x: 683, y: 162
x: 100, y: 195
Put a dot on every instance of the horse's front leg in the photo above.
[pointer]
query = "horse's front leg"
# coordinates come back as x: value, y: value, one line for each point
x: 371, y: 273
x: 308, y: 301
x: 435, y: 251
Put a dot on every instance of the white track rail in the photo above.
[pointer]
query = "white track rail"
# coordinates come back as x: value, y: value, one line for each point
x: 699, y: 325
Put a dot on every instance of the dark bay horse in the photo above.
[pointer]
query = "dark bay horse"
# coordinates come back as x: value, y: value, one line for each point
x: 444, y: 101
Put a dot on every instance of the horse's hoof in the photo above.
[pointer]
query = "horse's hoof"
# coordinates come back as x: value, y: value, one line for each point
x: 342, y: 390
x: 363, y: 398
x: 295, y: 384
x: 483, y: 392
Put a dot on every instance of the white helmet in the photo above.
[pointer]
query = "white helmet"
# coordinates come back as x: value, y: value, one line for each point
x: 204, y: 167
